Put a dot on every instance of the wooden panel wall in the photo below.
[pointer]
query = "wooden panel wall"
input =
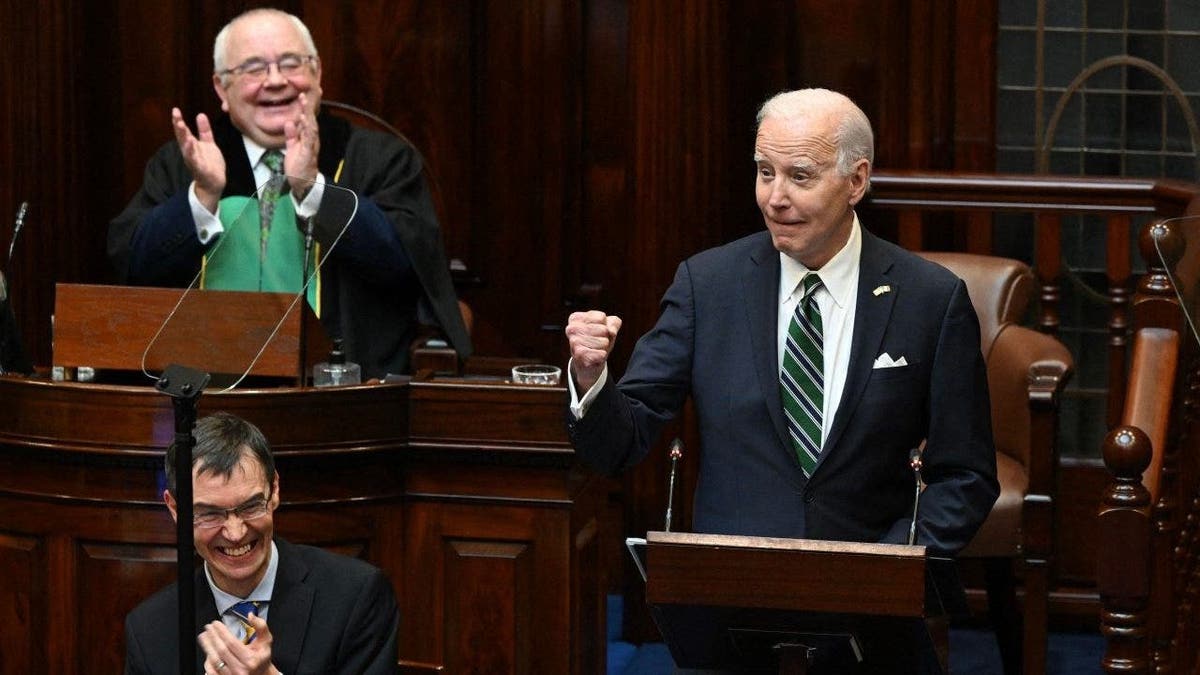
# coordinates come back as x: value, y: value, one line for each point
x: 579, y: 148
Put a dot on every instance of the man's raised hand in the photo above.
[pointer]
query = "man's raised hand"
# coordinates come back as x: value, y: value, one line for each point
x: 202, y: 157
x: 303, y: 145
x: 591, y: 336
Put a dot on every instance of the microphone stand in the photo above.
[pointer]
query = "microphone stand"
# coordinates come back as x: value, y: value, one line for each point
x: 302, y: 366
x: 675, y: 453
x: 914, y: 461
x: 184, y: 386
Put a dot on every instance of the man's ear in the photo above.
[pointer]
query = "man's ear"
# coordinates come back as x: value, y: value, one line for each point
x: 859, y: 180
x: 274, y: 500
x: 222, y: 94
x: 169, y: 500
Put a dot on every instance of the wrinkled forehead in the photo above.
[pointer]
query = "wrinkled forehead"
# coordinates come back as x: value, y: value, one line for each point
x: 796, y: 138
x: 262, y: 36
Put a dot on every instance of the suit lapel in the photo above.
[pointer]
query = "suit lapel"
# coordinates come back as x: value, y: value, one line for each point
x: 239, y: 175
x: 871, y: 316
x: 760, y: 290
x: 291, y: 605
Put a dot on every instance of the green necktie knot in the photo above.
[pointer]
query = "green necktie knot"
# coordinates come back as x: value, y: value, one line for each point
x: 273, y: 159
x: 811, y: 283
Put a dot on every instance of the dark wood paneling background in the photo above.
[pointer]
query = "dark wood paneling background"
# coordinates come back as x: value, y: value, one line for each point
x: 579, y: 149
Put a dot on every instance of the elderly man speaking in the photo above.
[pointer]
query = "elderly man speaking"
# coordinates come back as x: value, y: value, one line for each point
x: 818, y: 357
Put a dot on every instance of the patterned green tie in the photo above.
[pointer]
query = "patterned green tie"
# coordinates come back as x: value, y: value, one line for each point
x: 802, y: 381
x: 273, y: 159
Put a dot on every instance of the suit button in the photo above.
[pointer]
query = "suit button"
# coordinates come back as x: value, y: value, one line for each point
x: 808, y: 498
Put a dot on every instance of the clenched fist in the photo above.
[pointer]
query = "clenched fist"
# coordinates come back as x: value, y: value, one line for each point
x: 591, y: 336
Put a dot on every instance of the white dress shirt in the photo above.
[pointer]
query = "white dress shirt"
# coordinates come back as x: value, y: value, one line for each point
x: 208, y: 225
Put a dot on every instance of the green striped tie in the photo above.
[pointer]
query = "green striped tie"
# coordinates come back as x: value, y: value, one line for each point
x: 802, y: 382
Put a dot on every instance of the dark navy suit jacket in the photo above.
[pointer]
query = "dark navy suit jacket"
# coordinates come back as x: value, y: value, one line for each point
x: 328, y: 614
x: 716, y: 341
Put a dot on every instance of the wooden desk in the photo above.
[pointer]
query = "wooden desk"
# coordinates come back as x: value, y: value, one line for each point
x: 466, y: 493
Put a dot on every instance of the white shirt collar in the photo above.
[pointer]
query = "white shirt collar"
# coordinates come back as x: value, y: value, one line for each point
x: 839, y: 275
x: 261, y: 593
x: 254, y: 151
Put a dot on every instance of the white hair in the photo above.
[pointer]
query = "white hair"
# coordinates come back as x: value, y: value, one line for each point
x: 221, y: 43
x: 853, y: 138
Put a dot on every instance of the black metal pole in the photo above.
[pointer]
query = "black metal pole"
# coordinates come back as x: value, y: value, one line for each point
x: 302, y: 368
x: 184, y: 386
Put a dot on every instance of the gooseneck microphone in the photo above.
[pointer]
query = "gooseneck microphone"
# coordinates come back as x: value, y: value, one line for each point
x: 12, y: 354
x: 914, y: 462
x: 675, y: 453
x: 18, y: 223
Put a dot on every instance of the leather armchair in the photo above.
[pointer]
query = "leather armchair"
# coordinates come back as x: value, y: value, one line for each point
x: 1027, y: 371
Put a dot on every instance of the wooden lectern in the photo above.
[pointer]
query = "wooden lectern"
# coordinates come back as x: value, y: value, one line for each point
x: 109, y: 328
x: 777, y: 605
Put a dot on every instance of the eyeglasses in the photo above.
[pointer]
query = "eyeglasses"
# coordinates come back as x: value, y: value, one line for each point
x: 256, y: 69
x: 213, y: 518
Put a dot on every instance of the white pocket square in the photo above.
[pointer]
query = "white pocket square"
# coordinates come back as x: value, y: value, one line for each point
x: 886, y: 361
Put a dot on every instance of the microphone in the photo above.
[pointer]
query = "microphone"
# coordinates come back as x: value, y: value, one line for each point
x: 675, y: 453
x: 17, y: 225
x: 914, y: 461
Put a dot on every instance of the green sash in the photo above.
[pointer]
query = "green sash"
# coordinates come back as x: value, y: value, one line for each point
x: 234, y: 263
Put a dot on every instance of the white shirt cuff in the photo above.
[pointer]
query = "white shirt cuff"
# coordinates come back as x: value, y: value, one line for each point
x: 208, y: 225
x: 579, y: 406
x: 307, y: 208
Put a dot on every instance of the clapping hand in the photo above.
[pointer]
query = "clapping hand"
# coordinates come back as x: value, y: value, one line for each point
x: 202, y: 157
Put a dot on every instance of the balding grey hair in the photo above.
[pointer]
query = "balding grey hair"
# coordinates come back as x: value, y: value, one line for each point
x: 853, y: 138
x: 221, y: 43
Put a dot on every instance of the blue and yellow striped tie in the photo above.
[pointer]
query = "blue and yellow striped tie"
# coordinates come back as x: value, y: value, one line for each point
x: 244, y: 609
x: 802, y: 380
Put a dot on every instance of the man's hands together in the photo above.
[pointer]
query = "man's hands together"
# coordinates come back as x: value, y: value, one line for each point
x: 226, y: 655
x: 207, y: 165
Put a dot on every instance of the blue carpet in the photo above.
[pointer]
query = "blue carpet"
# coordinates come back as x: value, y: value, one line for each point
x: 972, y: 652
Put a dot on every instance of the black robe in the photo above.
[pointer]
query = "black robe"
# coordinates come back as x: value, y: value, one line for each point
x: 388, y: 271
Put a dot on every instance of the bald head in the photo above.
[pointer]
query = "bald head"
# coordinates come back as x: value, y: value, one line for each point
x: 852, y: 135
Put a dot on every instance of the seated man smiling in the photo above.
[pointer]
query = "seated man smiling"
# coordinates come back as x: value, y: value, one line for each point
x: 266, y: 606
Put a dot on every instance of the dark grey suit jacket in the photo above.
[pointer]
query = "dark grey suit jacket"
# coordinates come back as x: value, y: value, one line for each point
x: 328, y: 614
x: 716, y: 341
